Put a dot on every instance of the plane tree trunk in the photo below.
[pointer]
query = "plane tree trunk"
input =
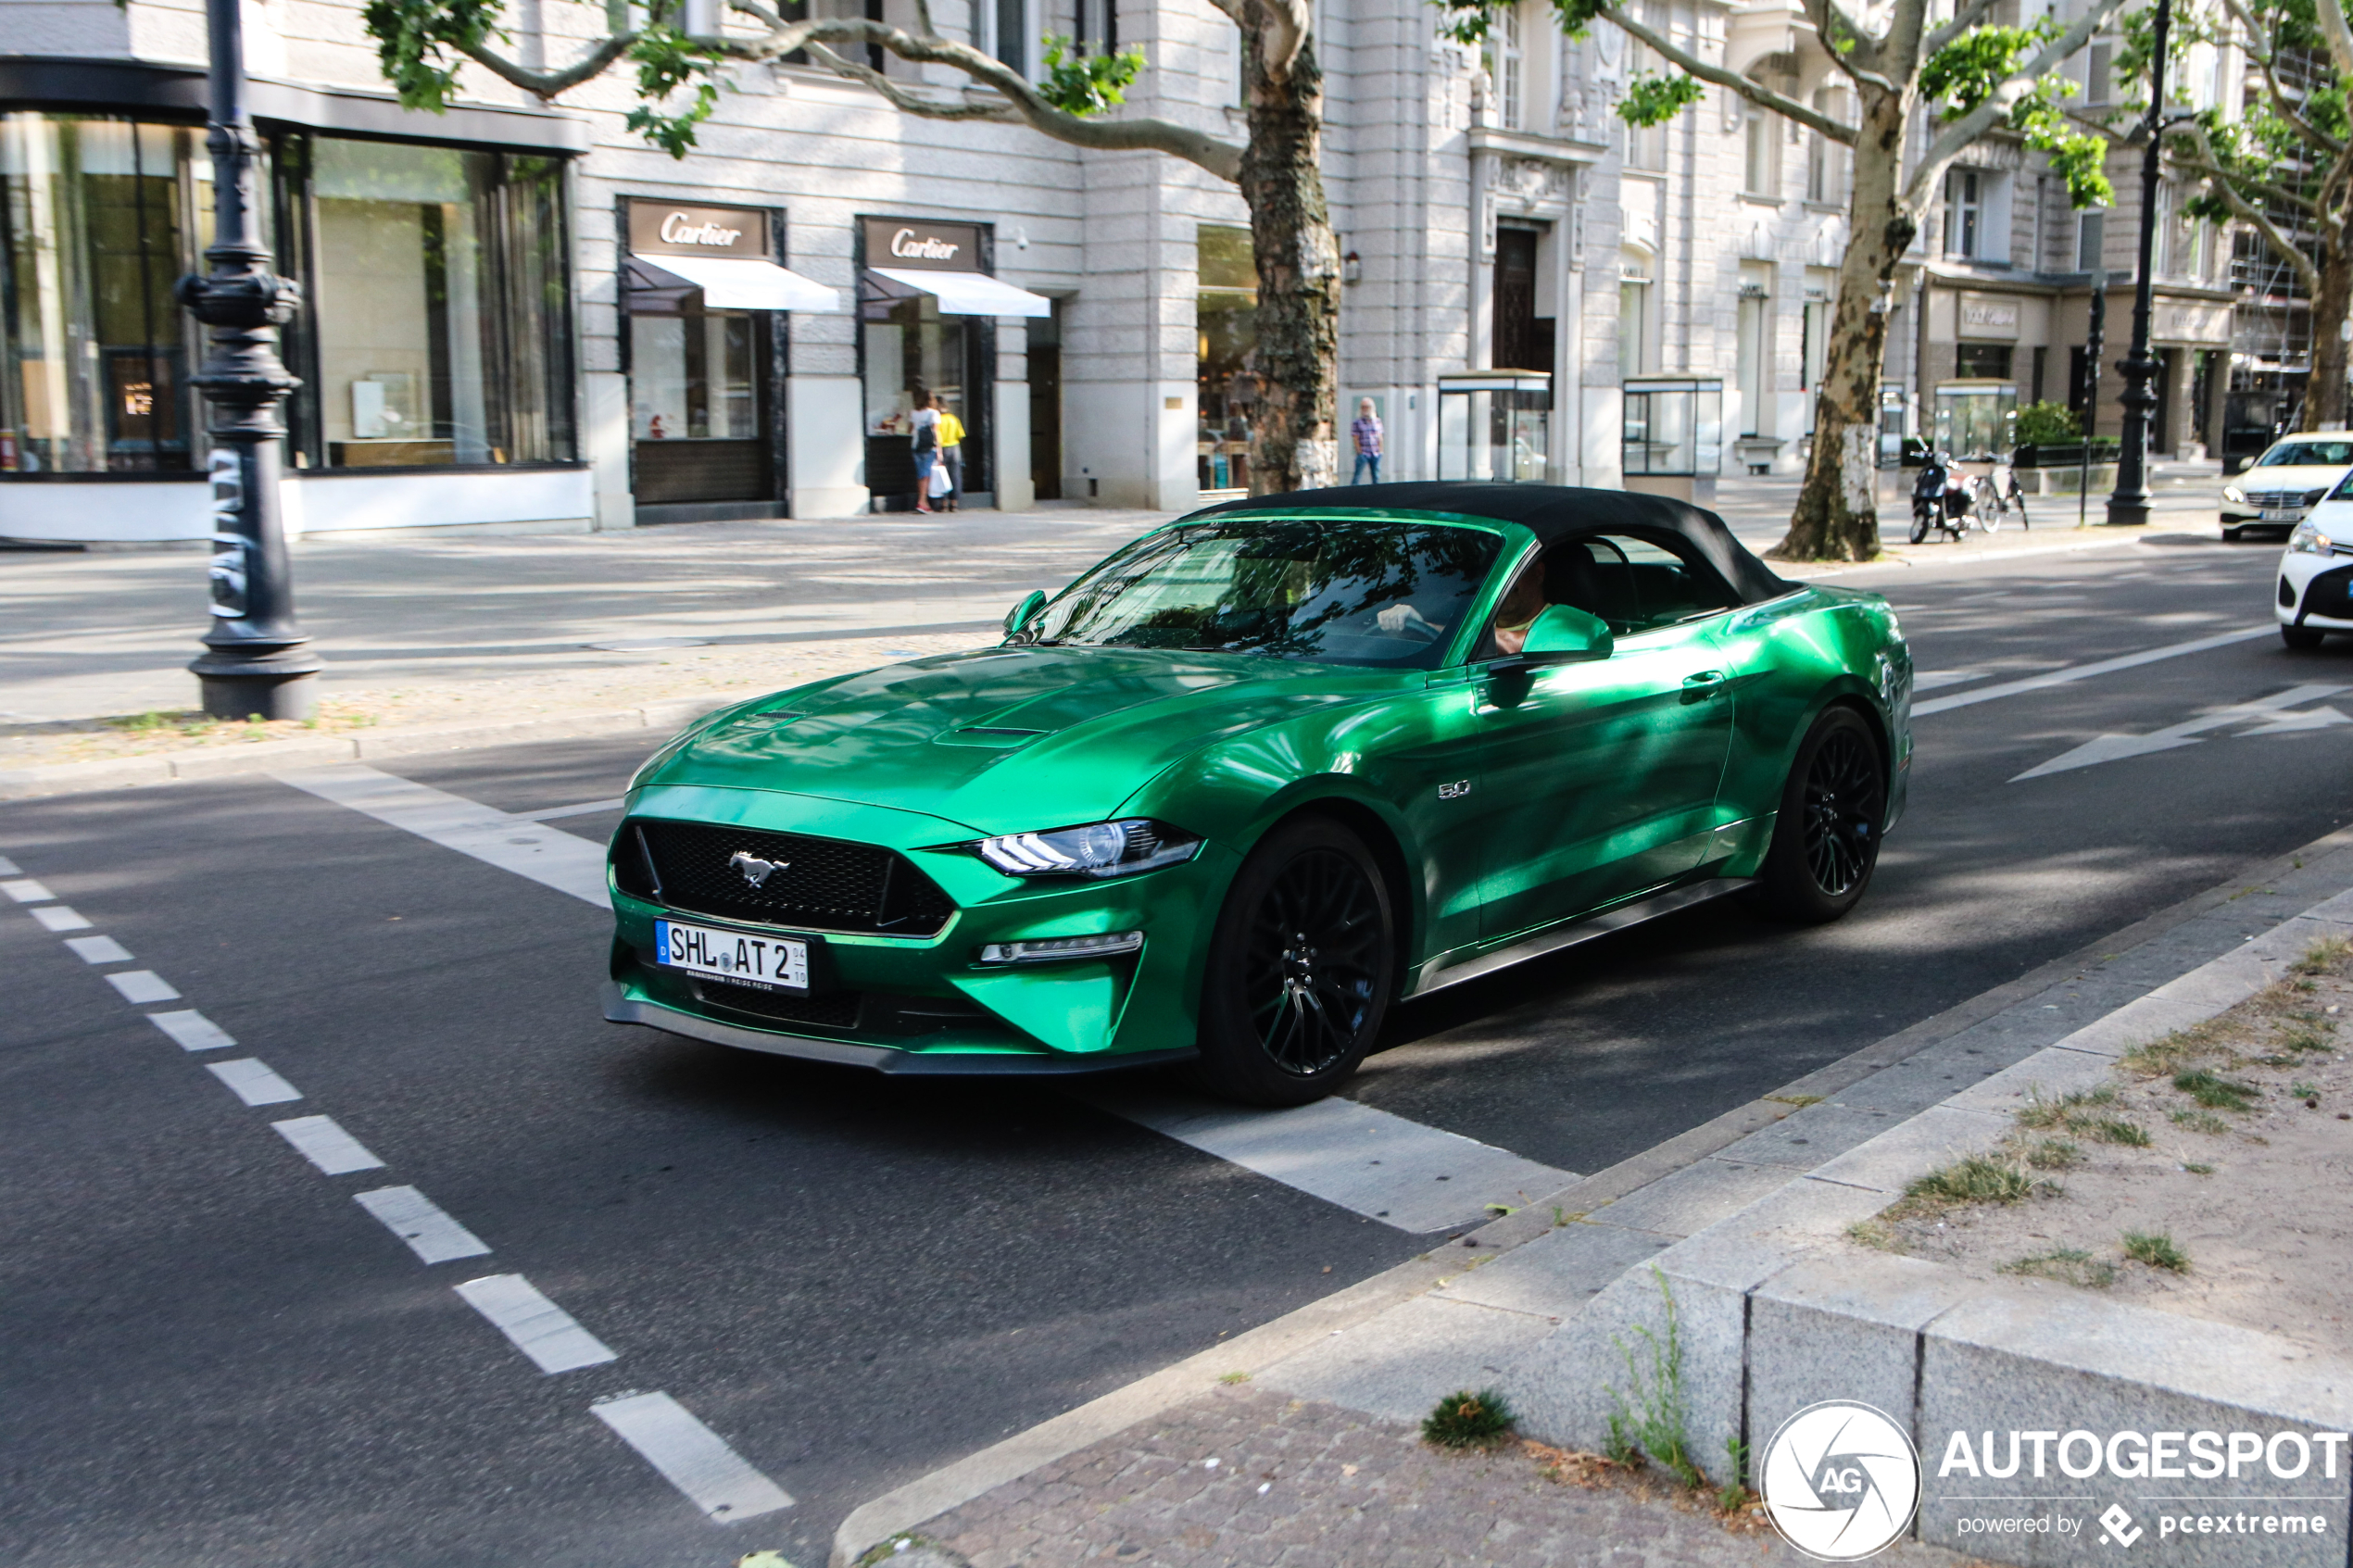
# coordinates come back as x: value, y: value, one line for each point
x: 1294, y: 423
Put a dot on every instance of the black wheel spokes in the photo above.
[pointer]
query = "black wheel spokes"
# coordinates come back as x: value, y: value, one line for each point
x: 1843, y: 801
x: 1314, y: 963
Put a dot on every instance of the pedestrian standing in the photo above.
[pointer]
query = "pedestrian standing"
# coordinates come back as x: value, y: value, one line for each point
x: 1367, y: 431
x: 951, y: 453
x: 923, y: 422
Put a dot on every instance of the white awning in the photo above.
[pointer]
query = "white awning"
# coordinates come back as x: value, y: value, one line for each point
x: 735, y: 283
x: 968, y: 294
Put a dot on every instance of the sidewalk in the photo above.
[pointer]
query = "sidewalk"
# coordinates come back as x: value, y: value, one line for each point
x: 1745, y: 1222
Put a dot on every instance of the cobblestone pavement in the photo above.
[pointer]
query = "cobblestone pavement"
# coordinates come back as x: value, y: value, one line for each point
x: 1257, y: 1480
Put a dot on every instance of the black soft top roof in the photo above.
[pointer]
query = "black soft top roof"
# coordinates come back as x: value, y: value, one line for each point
x: 1551, y: 513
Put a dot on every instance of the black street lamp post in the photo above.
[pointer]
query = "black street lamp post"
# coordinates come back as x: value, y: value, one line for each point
x: 2130, y: 502
x: 257, y: 660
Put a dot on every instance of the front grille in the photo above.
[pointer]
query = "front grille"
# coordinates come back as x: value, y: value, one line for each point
x: 818, y: 883
x: 2276, y: 498
x: 837, y: 1010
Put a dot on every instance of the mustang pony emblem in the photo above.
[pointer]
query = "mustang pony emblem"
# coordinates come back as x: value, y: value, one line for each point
x: 756, y: 870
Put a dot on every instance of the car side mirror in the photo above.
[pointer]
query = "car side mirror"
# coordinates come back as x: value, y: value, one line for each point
x: 1018, y: 616
x: 1564, y: 633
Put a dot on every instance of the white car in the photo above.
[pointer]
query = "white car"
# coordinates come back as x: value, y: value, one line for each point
x: 2316, y: 574
x: 2285, y: 483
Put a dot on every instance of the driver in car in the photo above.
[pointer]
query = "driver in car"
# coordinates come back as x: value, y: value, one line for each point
x: 1522, y: 603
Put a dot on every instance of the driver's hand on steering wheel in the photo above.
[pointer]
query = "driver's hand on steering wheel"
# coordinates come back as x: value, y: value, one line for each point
x: 1402, y: 617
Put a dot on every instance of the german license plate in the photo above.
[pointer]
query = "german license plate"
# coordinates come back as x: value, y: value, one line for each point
x: 2282, y: 514
x: 772, y: 963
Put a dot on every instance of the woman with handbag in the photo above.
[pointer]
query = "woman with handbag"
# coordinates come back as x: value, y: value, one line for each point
x: 925, y: 423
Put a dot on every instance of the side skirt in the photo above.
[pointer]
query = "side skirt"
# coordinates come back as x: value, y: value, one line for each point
x: 1585, y: 928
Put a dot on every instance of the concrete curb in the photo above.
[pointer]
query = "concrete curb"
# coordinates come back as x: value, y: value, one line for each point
x: 1429, y: 1325
x: 407, y: 740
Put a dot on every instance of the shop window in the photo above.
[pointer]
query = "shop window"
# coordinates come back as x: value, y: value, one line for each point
x: 99, y: 217
x: 695, y: 383
x: 1225, y: 329
x: 1973, y: 361
x: 443, y: 307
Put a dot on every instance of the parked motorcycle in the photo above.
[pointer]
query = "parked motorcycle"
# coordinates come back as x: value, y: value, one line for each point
x: 1942, y: 498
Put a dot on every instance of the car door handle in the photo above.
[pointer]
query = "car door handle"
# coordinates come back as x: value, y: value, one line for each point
x: 1699, y: 687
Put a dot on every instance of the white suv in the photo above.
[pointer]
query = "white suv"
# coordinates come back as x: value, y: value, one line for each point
x: 2287, y: 482
x: 2316, y: 572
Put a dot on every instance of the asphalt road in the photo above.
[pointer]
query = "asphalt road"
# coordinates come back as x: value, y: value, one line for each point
x: 212, y: 1355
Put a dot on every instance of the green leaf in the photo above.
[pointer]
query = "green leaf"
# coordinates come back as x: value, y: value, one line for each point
x: 1655, y: 97
x: 421, y: 45
x: 1080, y: 83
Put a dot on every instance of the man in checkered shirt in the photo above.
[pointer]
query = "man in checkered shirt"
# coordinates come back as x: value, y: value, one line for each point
x: 1367, y: 431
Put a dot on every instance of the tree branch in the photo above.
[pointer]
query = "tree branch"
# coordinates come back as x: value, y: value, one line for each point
x: 2248, y: 213
x: 896, y: 95
x: 1967, y: 17
x: 1755, y: 91
x: 546, y: 84
x: 1285, y: 35
x: 2340, y: 35
x: 1861, y: 61
x: 1958, y: 133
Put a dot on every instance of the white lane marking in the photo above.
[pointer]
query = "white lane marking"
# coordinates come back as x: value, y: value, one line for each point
x: 327, y: 1146
x: 252, y: 1083
x: 10, y: 868
x: 26, y: 891
x: 2088, y: 671
x: 547, y: 856
x: 695, y: 1459
x: 192, y: 1029
x: 1929, y: 681
x: 1414, y: 1177
x: 417, y: 1220
x: 143, y: 985
x: 97, y: 949
x: 587, y: 808
x: 60, y: 917
x: 539, y: 1328
x: 2116, y: 747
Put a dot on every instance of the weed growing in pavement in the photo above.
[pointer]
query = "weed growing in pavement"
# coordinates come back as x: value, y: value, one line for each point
x: 1800, y: 1101
x: 2216, y: 1093
x: 2201, y: 1122
x: 1651, y: 1424
x: 2156, y: 1249
x: 1734, y: 1493
x: 1875, y: 1234
x: 1735, y: 1508
x: 2071, y: 1265
x: 1978, y: 1179
x: 2303, y: 1040
x: 1465, y: 1418
x: 2115, y: 1129
x: 2328, y: 956
x: 1230, y: 1378
x: 2194, y: 1169
x: 2053, y: 1154
x: 2172, y: 1052
x: 2301, y: 1090
x: 2065, y: 1111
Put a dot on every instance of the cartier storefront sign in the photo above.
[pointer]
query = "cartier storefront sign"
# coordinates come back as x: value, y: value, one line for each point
x: 658, y: 228
x: 924, y: 245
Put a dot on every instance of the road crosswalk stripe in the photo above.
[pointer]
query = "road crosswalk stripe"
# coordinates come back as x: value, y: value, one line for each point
x: 537, y: 1327
x: 420, y: 1222
x: 2087, y: 671
x: 547, y: 856
x: 695, y: 1459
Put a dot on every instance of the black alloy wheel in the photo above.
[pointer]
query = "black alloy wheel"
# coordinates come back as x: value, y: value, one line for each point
x: 1301, y: 967
x: 1826, y: 839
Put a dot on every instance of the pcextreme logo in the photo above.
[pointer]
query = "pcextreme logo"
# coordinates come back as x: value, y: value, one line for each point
x: 1840, y: 1481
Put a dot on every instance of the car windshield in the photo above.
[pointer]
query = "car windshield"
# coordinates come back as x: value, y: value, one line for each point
x: 1344, y: 590
x: 2307, y: 454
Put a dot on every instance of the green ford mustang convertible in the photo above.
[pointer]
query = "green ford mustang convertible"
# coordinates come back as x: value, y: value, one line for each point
x: 1259, y: 775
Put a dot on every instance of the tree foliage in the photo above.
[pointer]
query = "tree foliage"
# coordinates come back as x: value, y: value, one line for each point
x: 1974, y: 67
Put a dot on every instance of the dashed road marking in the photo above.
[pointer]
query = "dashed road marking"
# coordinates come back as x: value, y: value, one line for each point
x: 420, y: 1222
x: 1385, y: 1167
x: 192, y: 1029
x: 252, y: 1083
x: 2088, y: 671
x: 547, y: 856
x: 142, y: 985
x: 10, y: 868
x: 538, y: 1327
x: 327, y: 1146
x: 60, y: 917
x: 587, y: 808
x: 695, y: 1459
x: 97, y: 949
x: 26, y: 891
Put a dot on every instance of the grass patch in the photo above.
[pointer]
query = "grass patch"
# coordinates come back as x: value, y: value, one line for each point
x: 2157, y: 1250
x: 2194, y: 1169
x: 2114, y: 1129
x: 2068, y: 1265
x: 1978, y: 1179
x: 2172, y: 1052
x: 1877, y: 1235
x: 1469, y: 1419
x: 2039, y: 1112
x: 2053, y: 1154
x: 2201, y: 1122
x: 2216, y: 1093
x: 2328, y: 956
x: 2303, y: 1040
x: 1230, y: 1378
x: 1801, y: 1101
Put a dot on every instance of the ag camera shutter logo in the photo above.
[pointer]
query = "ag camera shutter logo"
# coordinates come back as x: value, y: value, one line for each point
x: 1841, y: 1481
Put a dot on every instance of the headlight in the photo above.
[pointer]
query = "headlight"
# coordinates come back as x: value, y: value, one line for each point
x: 2309, y: 541
x: 2232, y: 493
x: 1098, y: 849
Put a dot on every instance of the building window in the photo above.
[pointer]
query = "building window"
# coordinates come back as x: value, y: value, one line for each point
x: 442, y: 327
x: 1753, y: 347
x: 1633, y: 317
x: 1226, y: 334
x: 1761, y: 162
x: 2091, y: 240
x: 1964, y: 212
x: 1505, y: 67
x: 1826, y: 160
x: 1983, y: 361
x: 1009, y: 39
x: 2098, y: 77
x: 1814, y: 344
x: 99, y: 217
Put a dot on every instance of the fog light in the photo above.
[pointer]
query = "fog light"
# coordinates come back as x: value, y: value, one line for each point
x: 1048, y: 950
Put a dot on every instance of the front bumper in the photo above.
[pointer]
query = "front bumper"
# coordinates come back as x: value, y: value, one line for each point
x: 926, y: 1004
x: 2315, y: 592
